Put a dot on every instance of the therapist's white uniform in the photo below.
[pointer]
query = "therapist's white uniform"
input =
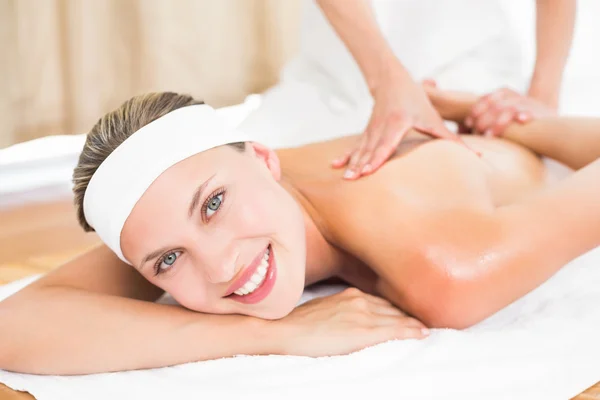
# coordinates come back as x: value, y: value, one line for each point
x: 463, y: 44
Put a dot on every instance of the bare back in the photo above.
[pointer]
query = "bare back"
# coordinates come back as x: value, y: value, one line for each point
x: 382, y: 218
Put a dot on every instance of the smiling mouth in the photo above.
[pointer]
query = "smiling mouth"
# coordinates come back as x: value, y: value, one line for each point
x: 257, y: 279
x: 260, y: 283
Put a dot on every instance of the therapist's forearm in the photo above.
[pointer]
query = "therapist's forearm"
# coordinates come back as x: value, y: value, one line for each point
x: 574, y: 141
x: 355, y: 24
x: 555, y: 20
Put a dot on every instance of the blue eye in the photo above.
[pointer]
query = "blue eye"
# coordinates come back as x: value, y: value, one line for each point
x: 166, y: 262
x: 213, y: 204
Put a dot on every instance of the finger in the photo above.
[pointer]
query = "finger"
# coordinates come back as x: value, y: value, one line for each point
x: 504, y: 119
x: 387, y: 146
x: 524, y: 117
x: 395, y: 329
x: 343, y: 160
x: 350, y: 172
x: 407, y: 322
x: 394, y: 128
x: 368, y: 138
x: 484, y: 104
x: 481, y: 106
x: 477, y: 112
x: 486, y: 121
x: 388, y: 311
x: 413, y: 323
x: 364, y: 167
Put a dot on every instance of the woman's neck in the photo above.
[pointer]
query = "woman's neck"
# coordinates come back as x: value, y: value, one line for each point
x: 323, y: 260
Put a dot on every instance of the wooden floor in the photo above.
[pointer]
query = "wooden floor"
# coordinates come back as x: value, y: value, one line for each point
x: 36, y: 237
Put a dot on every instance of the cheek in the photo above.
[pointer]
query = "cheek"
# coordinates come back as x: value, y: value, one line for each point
x: 188, y: 290
x: 256, y: 215
x: 271, y: 212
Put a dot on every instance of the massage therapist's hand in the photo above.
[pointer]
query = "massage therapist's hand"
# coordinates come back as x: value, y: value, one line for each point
x: 495, y: 111
x: 399, y: 105
x: 344, y: 323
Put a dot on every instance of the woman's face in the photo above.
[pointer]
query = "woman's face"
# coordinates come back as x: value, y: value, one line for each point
x: 220, y: 234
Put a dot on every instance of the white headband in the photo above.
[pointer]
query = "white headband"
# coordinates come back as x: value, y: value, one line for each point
x: 123, y: 177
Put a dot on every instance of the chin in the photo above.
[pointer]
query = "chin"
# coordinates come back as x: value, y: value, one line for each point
x: 281, y: 306
x: 281, y: 311
x: 274, y: 314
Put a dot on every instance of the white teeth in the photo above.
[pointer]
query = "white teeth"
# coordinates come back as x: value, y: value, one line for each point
x: 250, y: 286
x: 256, y: 279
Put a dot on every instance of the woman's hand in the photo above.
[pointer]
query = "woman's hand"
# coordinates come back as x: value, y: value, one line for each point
x: 400, y: 104
x: 343, y: 323
x: 494, y: 112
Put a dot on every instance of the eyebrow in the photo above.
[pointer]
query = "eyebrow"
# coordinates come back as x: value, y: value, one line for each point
x: 152, y: 255
x: 197, y: 195
x: 195, y: 199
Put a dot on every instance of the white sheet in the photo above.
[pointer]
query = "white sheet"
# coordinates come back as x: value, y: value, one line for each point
x: 544, y: 346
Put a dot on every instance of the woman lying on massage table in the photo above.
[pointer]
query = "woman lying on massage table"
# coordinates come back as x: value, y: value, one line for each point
x: 235, y: 232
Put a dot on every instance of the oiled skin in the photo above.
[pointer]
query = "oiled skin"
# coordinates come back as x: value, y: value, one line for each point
x: 385, y: 221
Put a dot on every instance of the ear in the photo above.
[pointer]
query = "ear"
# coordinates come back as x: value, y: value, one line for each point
x: 267, y: 156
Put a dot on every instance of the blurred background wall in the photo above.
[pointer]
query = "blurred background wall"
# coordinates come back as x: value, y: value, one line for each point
x: 64, y: 63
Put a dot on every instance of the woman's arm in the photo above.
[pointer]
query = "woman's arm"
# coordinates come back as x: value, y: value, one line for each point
x: 555, y: 20
x: 497, y: 257
x: 94, y: 315
x: 355, y: 24
x: 76, y: 321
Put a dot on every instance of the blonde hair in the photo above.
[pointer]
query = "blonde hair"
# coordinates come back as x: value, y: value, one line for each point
x: 114, y: 128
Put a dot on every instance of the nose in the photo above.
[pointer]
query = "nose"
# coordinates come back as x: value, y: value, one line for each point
x: 218, y: 264
x: 220, y: 272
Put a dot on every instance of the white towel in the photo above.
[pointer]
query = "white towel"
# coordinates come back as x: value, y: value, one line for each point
x: 544, y: 346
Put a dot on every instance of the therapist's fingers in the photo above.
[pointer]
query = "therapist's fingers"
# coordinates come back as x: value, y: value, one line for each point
x: 373, y: 138
x: 352, y: 171
x: 343, y: 160
x: 483, y: 106
x: 480, y: 107
x: 485, y: 122
x: 505, y: 117
x: 386, y: 147
x: 523, y: 117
